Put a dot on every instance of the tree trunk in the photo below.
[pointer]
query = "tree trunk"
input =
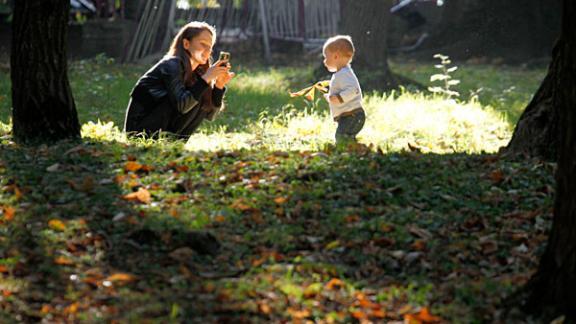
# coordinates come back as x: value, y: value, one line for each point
x: 536, y: 133
x: 552, y: 289
x: 43, y: 107
x: 496, y: 29
x: 367, y: 22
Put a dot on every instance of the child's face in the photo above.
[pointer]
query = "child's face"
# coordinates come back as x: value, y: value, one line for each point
x: 331, y: 60
x: 200, y: 47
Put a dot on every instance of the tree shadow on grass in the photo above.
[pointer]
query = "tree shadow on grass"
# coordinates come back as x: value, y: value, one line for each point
x: 304, y: 235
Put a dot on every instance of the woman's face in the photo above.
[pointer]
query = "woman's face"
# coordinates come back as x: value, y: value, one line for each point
x: 200, y: 47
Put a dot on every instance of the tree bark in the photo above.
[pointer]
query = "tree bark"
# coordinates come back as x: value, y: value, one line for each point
x: 552, y: 289
x: 496, y: 29
x: 43, y: 107
x: 536, y: 133
x: 367, y: 22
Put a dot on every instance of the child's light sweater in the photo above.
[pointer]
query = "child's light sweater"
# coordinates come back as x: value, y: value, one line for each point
x: 344, y: 84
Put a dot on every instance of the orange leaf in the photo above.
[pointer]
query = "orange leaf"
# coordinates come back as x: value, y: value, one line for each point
x: 142, y: 195
x: 17, y: 193
x: 72, y: 309
x: 57, y: 225
x: 423, y: 316
x: 121, y: 277
x: 3, y: 269
x: 264, y: 308
x: 174, y: 212
x: 61, y: 260
x: 240, y: 205
x: 280, y: 200
x: 378, y: 313
x: 334, y: 283
x: 427, y: 317
x: 9, y: 213
x: 220, y: 219
x: 359, y: 315
x: 46, y: 309
x: 132, y: 166
x: 298, y: 314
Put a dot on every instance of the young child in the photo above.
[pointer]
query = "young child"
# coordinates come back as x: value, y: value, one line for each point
x: 345, y: 95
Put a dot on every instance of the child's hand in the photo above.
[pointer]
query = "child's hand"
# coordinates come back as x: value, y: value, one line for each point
x: 332, y: 99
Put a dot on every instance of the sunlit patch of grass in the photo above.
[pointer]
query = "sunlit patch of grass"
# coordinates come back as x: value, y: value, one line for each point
x: 433, y: 124
x: 5, y: 128
x: 103, y: 131
x: 507, y: 89
x: 428, y: 123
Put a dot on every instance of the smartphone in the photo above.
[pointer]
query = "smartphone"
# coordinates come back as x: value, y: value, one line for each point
x: 224, y: 56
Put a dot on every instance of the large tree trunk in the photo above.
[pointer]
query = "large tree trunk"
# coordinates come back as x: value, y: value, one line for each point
x: 536, y: 133
x: 367, y: 22
x: 43, y: 107
x: 496, y: 29
x: 552, y: 290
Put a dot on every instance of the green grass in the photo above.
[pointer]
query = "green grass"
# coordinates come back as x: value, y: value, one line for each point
x: 307, y: 231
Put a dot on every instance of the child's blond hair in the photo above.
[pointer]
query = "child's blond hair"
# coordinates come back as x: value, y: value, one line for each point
x: 341, y: 44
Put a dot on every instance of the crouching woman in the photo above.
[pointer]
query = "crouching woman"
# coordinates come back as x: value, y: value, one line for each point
x: 182, y: 89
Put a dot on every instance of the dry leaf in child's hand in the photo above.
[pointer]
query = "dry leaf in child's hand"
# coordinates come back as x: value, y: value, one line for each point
x: 309, y: 92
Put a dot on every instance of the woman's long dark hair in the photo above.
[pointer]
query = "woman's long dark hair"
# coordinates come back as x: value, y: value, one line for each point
x: 189, y: 32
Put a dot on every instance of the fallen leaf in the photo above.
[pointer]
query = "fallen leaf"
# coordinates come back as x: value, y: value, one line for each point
x: 53, y: 167
x: 57, y: 225
x: 298, y: 314
x: 8, y: 213
x: 121, y: 277
x: 72, y: 308
x: 352, y: 219
x: 240, y: 205
x: 334, y: 283
x: 424, y: 316
x: 62, y: 260
x: 280, y: 200
x: 46, y: 309
x: 496, y: 176
x: 264, y: 308
x: 359, y: 315
x: 142, y: 195
x: 132, y: 166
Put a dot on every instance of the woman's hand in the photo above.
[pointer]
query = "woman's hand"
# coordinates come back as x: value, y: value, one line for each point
x: 215, y: 71
x: 224, y: 78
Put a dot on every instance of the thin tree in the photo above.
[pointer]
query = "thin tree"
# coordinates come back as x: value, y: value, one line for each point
x: 551, y: 292
x: 43, y: 108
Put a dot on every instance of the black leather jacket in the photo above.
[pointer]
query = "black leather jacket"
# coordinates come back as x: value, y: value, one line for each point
x: 160, y: 97
x: 165, y: 80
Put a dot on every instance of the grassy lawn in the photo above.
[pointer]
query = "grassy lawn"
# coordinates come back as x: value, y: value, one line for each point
x: 115, y: 229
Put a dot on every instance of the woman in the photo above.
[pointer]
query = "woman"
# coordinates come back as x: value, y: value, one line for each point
x: 182, y: 89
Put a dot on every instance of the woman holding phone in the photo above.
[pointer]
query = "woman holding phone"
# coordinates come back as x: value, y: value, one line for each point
x: 182, y: 89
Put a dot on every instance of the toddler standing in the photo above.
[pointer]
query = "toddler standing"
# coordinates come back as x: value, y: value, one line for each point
x: 345, y: 94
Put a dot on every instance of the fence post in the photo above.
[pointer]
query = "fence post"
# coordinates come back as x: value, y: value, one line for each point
x: 264, y: 20
x: 302, y: 20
